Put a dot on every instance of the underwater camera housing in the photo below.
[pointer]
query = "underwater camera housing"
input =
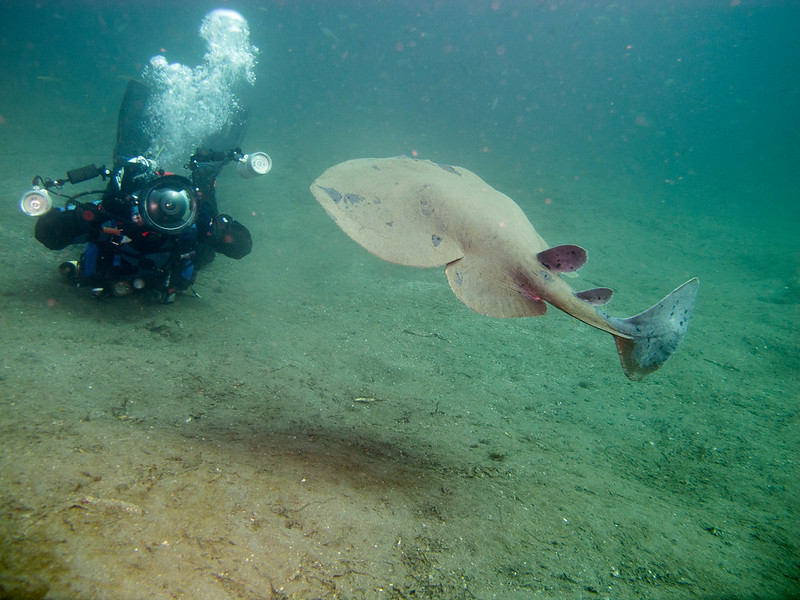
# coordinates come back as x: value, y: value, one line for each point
x: 164, y: 202
x: 168, y: 204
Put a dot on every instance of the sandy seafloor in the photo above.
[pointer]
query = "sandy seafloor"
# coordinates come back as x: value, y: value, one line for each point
x: 322, y: 424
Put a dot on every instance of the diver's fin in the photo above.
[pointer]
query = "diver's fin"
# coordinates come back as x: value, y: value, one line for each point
x: 132, y: 137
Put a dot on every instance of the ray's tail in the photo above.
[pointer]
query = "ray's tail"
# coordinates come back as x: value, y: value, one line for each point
x: 655, y: 333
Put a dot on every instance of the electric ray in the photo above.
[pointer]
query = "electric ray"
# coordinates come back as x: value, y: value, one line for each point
x: 422, y: 214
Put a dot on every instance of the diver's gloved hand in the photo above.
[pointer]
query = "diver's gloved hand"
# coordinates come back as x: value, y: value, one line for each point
x: 230, y: 237
x: 57, y: 228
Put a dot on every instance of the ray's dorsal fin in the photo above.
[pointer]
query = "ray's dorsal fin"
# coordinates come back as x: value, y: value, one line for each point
x: 563, y: 259
x: 596, y: 296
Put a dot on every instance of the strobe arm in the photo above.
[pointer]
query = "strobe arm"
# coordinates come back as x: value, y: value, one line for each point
x: 74, y: 176
x: 86, y: 173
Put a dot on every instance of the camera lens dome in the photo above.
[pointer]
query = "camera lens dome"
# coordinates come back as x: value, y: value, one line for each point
x: 168, y: 204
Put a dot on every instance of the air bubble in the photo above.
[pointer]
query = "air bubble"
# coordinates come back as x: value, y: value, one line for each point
x: 190, y: 104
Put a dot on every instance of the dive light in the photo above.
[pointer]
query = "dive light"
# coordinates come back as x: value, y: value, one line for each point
x: 35, y: 201
x: 254, y: 164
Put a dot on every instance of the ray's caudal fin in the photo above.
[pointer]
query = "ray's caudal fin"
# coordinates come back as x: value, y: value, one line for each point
x: 655, y: 333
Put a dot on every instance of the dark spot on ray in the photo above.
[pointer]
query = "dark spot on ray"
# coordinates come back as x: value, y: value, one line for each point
x: 334, y: 194
x: 448, y: 168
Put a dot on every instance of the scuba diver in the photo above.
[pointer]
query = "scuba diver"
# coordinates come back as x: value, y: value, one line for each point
x: 149, y: 230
